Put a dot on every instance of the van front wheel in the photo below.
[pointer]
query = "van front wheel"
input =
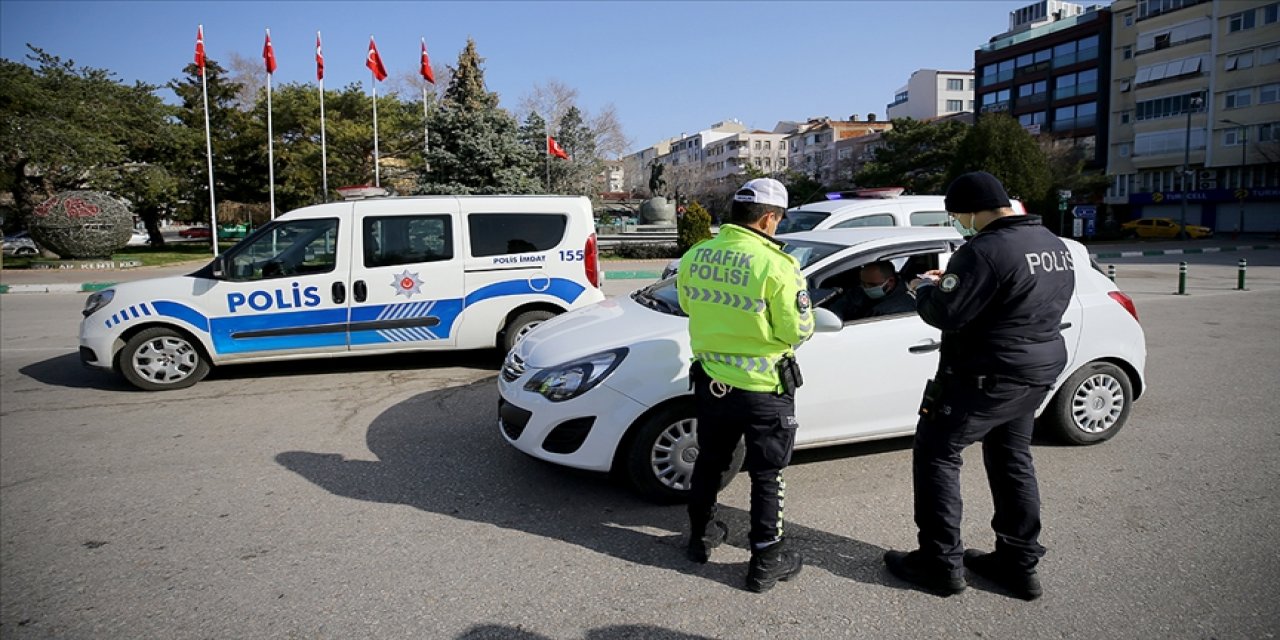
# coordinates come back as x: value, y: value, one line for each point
x: 160, y: 359
x: 521, y: 325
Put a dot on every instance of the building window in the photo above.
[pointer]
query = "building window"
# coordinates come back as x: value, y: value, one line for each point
x: 767, y: 144
x: 1166, y: 107
x: 1075, y: 84
x: 1239, y: 61
x: 972, y: 84
x: 1271, y: 13
x: 1269, y: 55
x: 1127, y: 52
x: 1124, y: 150
x: 1239, y: 98
x: 1173, y: 36
x: 1030, y: 119
x: 1231, y: 137
x: 1075, y: 117
x: 1166, y: 70
x: 1128, y: 19
x: 1268, y: 93
x: 1125, y: 116
x: 955, y: 105
x: 756, y: 146
x: 1125, y: 85
x: 971, y: 105
x: 1240, y: 21
x: 1171, y: 141
x: 1269, y: 132
x: 955, y: 84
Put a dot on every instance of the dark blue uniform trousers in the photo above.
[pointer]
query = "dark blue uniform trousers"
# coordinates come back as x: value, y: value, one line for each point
x: 766, y: 421
x: 1001, y: 414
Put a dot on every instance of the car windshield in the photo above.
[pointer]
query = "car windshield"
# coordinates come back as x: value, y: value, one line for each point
x: 801, y: 220
x: 661, y: 296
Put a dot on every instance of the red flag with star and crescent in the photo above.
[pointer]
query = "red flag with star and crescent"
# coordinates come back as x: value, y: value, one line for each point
x: 200, y: 49
x: 555, y: 149
x: 426, y: 72
x: 374, y: 62
x: 319, y: 59
x: 269, y: 54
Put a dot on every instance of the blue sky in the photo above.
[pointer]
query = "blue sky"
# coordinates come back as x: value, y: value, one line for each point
x: 669, y: 67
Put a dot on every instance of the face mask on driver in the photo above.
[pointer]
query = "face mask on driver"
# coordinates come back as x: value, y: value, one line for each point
x: 967, y: 232
x: 876, y: 292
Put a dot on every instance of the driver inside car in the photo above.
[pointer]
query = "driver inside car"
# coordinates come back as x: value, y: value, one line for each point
x: 879, y: 292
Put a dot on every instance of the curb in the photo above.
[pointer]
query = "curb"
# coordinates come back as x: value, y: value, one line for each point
x: 84, y: 287
x: 1178, y: 252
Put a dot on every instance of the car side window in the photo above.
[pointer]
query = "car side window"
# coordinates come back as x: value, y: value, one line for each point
x: 297, y: 247
x: 854, y: 306
x: 396, y: 240
x: 930, y: 219
x: 873, y: 220
x: 495, y: 234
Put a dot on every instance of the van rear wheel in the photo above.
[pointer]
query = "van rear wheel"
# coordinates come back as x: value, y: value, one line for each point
x: 521, y: 325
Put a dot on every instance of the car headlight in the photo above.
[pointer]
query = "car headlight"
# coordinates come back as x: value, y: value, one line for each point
x: 572, y: 379
x: 98, y: 300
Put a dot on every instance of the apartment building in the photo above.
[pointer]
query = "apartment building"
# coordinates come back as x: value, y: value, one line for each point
x: 1196, y: 112
x: 811, y: 149
x: 1052, y: 76
x: 930, y: 93
x: 729, y: 157
x: 611, y: 178
x: 635, y: 166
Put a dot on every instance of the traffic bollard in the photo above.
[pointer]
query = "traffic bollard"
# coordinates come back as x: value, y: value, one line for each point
x: 1240, y: 275
x: 1182, y: 278
x: 1111, y: 272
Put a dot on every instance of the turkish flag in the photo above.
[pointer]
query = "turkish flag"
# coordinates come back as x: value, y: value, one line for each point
x: 200, y: 49
x: 319, y: 59
x: 269, y: 54
x: 426, y: 65
x: 555, y: 149
x: 374, y: 62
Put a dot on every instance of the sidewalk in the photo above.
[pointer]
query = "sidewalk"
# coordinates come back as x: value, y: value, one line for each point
x: 78, y: 281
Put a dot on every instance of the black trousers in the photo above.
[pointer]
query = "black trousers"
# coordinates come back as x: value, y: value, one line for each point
x: 767, y: 423
x: 1001, y: 414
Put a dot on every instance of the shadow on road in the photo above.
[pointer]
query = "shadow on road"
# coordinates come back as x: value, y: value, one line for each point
x: 614, y: 632
x: 67, y: 371
x: 433, y: 457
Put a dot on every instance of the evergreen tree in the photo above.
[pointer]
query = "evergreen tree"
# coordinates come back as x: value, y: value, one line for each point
x: 236, y: 165
x: 692, y: 227
x: 916, y: 155
x: 577, y: 175
x: 476, y: 148
x: 1001, y: 147
x: 533, y: 135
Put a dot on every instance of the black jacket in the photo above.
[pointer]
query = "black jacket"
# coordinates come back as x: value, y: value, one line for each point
x: 1000, y: 303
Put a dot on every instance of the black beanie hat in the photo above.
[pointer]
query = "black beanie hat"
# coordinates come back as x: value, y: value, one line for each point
x: 974, y: 192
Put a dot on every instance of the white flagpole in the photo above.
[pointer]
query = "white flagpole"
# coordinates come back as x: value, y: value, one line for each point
x: 546, y: 152
x: 271, y: 149
x: 324, y: 152
x: 208, y: 146
x: 426, y: 134
x: 377, y: 180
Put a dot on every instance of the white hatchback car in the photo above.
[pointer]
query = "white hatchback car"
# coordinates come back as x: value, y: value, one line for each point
x: 605, y: 388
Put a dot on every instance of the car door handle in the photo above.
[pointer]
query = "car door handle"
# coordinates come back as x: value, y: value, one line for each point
x: 339, y: 292
x: 359, y: 290
x: 1064, y: 326
x: 925, y: 347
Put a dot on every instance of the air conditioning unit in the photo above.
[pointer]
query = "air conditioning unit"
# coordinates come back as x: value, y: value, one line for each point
x: 1208, y: 174
x: 1208, y: 184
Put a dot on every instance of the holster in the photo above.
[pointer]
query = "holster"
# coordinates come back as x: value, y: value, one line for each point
x: 932, y: 396
x: 789, y: 374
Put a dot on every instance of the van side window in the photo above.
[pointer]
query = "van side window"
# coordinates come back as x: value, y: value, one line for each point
x: 874, y: 220
x: 495, y: 234
x: 396, y: 240
x: 930, y: 219
x: 293, y: 248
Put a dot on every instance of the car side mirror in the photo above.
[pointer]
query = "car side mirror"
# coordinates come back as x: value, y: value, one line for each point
x: 220, y: 267
x: 826, y: 321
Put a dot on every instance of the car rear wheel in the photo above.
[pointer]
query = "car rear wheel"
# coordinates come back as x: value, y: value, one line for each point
x: 160, y: 359
x: 1092, y: 405
x: 521, y: 325
x: 660, y: 455
x: 24, y: 251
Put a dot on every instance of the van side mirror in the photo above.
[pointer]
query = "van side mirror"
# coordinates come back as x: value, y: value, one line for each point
x: 219, y: 266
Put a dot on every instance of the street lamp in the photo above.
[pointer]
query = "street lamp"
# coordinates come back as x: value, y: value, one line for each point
x: 1244, y: 156
x: 1193, y: 105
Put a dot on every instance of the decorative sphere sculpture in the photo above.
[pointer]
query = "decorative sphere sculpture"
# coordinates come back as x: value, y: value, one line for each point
x: 82, y: 224
x: 657, y: 211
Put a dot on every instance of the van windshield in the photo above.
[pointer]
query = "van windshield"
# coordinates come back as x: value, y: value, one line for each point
x: 662, y: 296
x: 801, y: 220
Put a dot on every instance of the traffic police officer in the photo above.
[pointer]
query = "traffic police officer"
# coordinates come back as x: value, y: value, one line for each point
x: 748, y: 310
x: 999, y: 306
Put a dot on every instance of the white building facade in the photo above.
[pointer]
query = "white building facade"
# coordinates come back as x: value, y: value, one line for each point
x: 931, y: 93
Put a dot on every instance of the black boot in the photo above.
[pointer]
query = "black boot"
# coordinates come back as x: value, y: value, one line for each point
x: 771, y: 564
x: 1018, y: 581
x: 703, y: 537
x: 916, y: 569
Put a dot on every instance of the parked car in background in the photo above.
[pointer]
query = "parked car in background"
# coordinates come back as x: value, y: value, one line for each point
x: 20, y: 244
x: 606, y: 388
x: 1161, y: 228
x: 139, y: 238
x: 195, y: 232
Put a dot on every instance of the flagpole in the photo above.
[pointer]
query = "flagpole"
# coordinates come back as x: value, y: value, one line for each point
x: 546, y: 153
x: 426, y: 134
x: 208, y: 146
x: 377, y: 179
x: 324, y: 152
x: 271, y: 149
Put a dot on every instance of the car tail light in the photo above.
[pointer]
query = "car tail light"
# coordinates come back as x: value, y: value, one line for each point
x: 591, y: 262
x: 1125, y: 301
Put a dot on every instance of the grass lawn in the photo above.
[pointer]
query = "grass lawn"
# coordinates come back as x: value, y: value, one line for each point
x: 171, y: 253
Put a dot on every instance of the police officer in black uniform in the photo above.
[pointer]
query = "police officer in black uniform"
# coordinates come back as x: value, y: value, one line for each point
x: 999, y: 305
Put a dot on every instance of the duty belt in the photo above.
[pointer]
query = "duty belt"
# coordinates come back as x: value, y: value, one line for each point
x: 757, y: 364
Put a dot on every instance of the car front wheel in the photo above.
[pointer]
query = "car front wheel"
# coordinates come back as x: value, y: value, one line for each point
x: 660, y: 455
x: 160, y: 359
x: 1092, y: 405
x: 521, y: 325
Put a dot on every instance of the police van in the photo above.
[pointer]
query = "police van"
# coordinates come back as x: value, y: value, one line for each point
x: 357, y: 277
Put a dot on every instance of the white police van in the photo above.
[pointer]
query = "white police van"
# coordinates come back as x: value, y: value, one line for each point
x: 350, y: 278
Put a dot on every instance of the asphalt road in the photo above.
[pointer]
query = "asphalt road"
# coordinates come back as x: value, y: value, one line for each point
x: 374, y: 497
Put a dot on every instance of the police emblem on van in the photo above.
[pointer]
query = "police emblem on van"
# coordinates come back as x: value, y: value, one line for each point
x: 406, y: 284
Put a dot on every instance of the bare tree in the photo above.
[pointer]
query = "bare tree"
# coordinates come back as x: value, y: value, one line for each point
x: 611, y: 142
x: 251, y: 76
x: 409, y: 84
x: 551, y: 101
